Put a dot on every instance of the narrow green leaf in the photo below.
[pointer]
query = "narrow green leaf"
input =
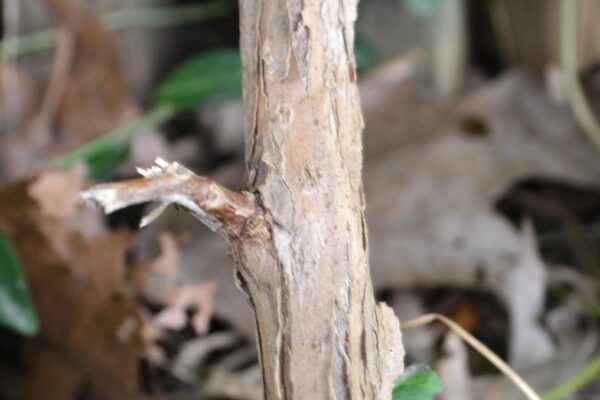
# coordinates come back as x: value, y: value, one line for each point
x: 213, y: 75
x: 422, y: 8
x: 583, y: 377
x: 16, y: 309
x: 417, y: 383
x: 106, y: 153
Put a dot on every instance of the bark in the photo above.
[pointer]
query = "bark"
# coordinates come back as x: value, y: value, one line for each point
x: 298, y: 234
x: 321, y: 333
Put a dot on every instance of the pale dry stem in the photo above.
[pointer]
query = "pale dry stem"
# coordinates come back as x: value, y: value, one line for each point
x: 171, y: 183
x: 479, y: 347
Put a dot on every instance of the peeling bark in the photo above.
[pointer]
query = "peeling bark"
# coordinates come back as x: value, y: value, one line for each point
x: 298, y: 235
x: 321, y: 333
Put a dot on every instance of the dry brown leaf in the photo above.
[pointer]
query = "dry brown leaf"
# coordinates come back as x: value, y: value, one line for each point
x: 430, y: 202
x: 26, y: 150
x: 56, y: 191
x: 396, y: 112
x: 79, y: 288
x: 167, y: 263
x: 51, y: 377
x: 19, y: 96
x: 96, y: 98
x: 524, y: 292
x: 62, y: 220
x: 85, y: 96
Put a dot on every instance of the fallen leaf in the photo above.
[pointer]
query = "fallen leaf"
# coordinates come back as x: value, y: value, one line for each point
x: 86, y: 96
x: 80, y: 288
x: 453, y: 368
x: 180, y: 299
x: 431, y: 200
x: 167, y: 263
x: 51, y: 377
x: 150, y: 334
x: 96, y: 98
x: 523, y: 290
x: 20, y: 94
x: 56, y: 191
x: 195, y: 352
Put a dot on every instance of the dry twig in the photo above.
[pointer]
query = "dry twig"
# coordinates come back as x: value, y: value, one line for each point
x: 171, y: 183
x: 477, y: 345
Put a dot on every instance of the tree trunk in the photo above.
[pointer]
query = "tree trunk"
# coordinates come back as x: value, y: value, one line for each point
x: 298, y: 235
x: 321, y: 334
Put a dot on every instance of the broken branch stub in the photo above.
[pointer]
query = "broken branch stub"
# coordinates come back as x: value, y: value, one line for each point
x: 171, y: 183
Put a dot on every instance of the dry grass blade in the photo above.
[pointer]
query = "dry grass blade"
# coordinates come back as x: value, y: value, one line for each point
x: 477, y: 345
x: 568, y: 59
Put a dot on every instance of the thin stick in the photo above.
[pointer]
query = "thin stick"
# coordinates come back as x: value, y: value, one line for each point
x: 477, y: 345
x: 11, y: 104
x: 172, y: 183
x: 120, y: 135
x: 568, y: 60
x: 59, y: 76
x: 159, y: 17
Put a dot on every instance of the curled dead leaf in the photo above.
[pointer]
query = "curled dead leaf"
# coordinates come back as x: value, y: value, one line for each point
x: 166, y: 264
x: 55, y: 192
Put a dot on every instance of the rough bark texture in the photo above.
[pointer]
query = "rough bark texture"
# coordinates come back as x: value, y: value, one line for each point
x: 298, y: 235
x: 321, y: 333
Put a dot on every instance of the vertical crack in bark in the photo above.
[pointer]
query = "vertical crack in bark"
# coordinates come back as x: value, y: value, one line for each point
x: 243, y: 285
x: 377, y: 347
x: 327, y: 338
x: 339, y: 372
x: 284, y: 339
x: 343, y: 314
x: 253, y: 83
x: 363, y: 328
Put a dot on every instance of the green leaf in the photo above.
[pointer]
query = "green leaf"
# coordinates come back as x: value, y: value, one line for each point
x: 103, y: 164
x: 211, y: 76
x: 106, y: 153
x: 16, y: 309
x: 364, y: 54
x: 417, y: 383
x: 422, y: 8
